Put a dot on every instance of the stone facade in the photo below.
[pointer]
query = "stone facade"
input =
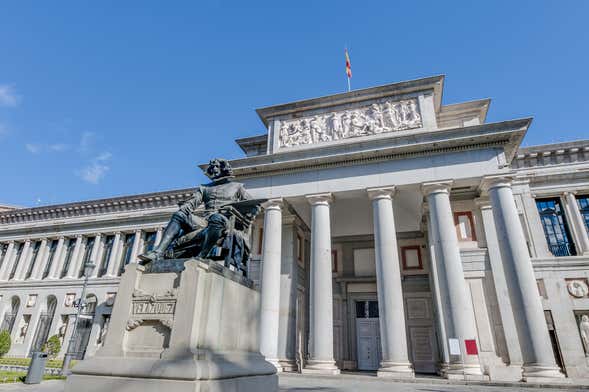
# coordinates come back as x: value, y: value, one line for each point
x: 417, y: 238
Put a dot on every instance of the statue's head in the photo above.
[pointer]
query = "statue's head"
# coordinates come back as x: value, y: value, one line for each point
x: 585, y: 318
x: 219, y: 168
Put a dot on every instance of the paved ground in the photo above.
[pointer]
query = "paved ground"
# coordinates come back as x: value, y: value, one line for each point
x: 344, y: 383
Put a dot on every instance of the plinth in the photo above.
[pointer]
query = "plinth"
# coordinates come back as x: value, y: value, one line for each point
x: 179, y: 326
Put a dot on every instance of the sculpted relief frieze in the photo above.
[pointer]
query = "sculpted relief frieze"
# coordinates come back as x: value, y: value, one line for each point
x: 374, y: 119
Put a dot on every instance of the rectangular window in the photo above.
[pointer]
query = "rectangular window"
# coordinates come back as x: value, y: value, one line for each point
x: 107, y: 251
x: 149, y: 243
x: 52, y: 248
x: 69, y: 245
x: 464, y: 226
x: 19, y: 249
x: 555, y: 227
x: 583, y: 202
x: 34, y: 256
x: 411, y: 257
x: 87, y: 254
x: 127, y: 251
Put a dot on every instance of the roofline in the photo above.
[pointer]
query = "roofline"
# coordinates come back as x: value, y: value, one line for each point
x: 435, y: 82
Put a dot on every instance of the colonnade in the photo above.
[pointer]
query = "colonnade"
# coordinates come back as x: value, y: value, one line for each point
x: 452, y: 297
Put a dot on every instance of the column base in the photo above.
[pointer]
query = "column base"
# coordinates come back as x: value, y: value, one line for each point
x: 543, y: 374
x: 288, y: 365
x: 320, y: 367
x: 276, y: 363
x: 395, y: 370
x: 458, y: 371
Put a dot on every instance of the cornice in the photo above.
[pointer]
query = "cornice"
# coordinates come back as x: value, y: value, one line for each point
x: 139, y: 202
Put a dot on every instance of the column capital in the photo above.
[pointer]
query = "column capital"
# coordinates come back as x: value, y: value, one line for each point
x: 497, y: 181
x: 319, y: 198
x: 436, y: 187
x: 387, y: 192
x: 273, y: 204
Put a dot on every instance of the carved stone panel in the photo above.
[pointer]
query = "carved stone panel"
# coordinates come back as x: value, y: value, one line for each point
x: 377, y: 118
x: 578, y: 288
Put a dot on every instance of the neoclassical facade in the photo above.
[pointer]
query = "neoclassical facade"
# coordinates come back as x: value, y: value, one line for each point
x: 400, y: 236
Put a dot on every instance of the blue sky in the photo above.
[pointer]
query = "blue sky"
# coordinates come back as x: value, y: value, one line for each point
x: 99, y: 99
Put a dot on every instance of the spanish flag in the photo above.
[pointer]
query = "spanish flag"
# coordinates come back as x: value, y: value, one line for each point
x: 348, y: 65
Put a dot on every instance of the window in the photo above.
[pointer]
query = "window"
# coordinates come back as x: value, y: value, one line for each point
x: 149, y: 243
x: 19, y: 249
x: 33, y: 259
x: 87, y: 254
x: 366, y: 309
x: 555, y: 227
x: 127, y: 251
x: 69, y: 251
x: 108, y: 243
x: 52, y: 248
x: 464, y: 226
x: 411, y: 257
x: 583, y: 202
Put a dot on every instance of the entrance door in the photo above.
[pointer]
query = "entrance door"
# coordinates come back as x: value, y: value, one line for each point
x: 422, y: 339
x: 367, y: 335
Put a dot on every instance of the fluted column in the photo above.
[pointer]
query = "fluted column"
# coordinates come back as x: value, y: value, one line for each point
x: 6, y: 266
x: 42, y: 258
x: 77, y: 256
x: 393, y: 335
x: 137, y: 242
x: 538, y: 357
x: 321, y: 305
x: 113, y: 262
x: 577, y: 224
x: 58, y: 259
x: 22, y: 261
x: 270, y: 293
x: 97, y: 249
x: 455, y: 297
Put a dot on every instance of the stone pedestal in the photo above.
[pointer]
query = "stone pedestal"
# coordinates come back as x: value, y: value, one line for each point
x: 182, y: 325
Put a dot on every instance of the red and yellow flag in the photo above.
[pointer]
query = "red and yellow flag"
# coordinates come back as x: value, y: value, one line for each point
x: 348, y: 65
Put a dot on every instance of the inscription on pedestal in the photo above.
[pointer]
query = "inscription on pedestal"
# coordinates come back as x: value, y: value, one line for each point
x: 159, y: 307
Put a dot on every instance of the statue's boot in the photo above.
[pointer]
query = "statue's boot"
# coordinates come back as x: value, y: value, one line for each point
x: 157, y: 253
x: 212, y: 234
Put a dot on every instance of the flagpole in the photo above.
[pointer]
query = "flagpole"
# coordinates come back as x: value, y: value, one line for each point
x: 348, y: 84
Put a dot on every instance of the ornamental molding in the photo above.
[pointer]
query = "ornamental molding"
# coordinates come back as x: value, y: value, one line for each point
x: 97, y: 207
x: 374, y: 119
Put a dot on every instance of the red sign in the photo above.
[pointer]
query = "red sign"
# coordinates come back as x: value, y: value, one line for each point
x: 471, y: 347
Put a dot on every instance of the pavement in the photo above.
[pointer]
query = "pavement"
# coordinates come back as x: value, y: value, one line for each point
x: 345, y: 383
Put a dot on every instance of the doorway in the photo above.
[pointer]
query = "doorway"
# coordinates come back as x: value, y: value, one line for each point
x: 367, y: 335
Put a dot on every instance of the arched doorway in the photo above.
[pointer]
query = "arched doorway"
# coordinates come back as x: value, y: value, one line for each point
x: 44, y: 324
x: 10, y: 316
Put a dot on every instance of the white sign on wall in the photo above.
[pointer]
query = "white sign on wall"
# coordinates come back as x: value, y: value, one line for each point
x: 454, y: 346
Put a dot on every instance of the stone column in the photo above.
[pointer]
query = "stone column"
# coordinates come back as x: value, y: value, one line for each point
x: 42, y: 259
x: 321, y: 292
x: 538, y: 358
x: 22, y: 261
x: 96, y: 254
x: 114, y: 260
x: 501, y: 286
x: 455, y: 297
x: 158, y: 236
x: 136, y: 246
x: 58, y: 259
x: 393, y: 334
x: 577, y: 225
x: 77, y: 256
x: 7, y: 262
x: 270, y: 290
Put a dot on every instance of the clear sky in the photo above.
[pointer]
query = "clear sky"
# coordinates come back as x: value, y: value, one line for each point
x: 99, y: 99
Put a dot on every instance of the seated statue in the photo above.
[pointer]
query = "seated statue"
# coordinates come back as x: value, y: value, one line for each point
x: 219, y: 231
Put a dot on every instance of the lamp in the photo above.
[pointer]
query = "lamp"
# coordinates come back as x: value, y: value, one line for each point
x: 89, y: 268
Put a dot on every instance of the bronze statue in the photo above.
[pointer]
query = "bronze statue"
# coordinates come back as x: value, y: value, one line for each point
x: 219, y: 231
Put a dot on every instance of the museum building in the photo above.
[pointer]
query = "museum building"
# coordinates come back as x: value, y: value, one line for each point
x: 400, y: 235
